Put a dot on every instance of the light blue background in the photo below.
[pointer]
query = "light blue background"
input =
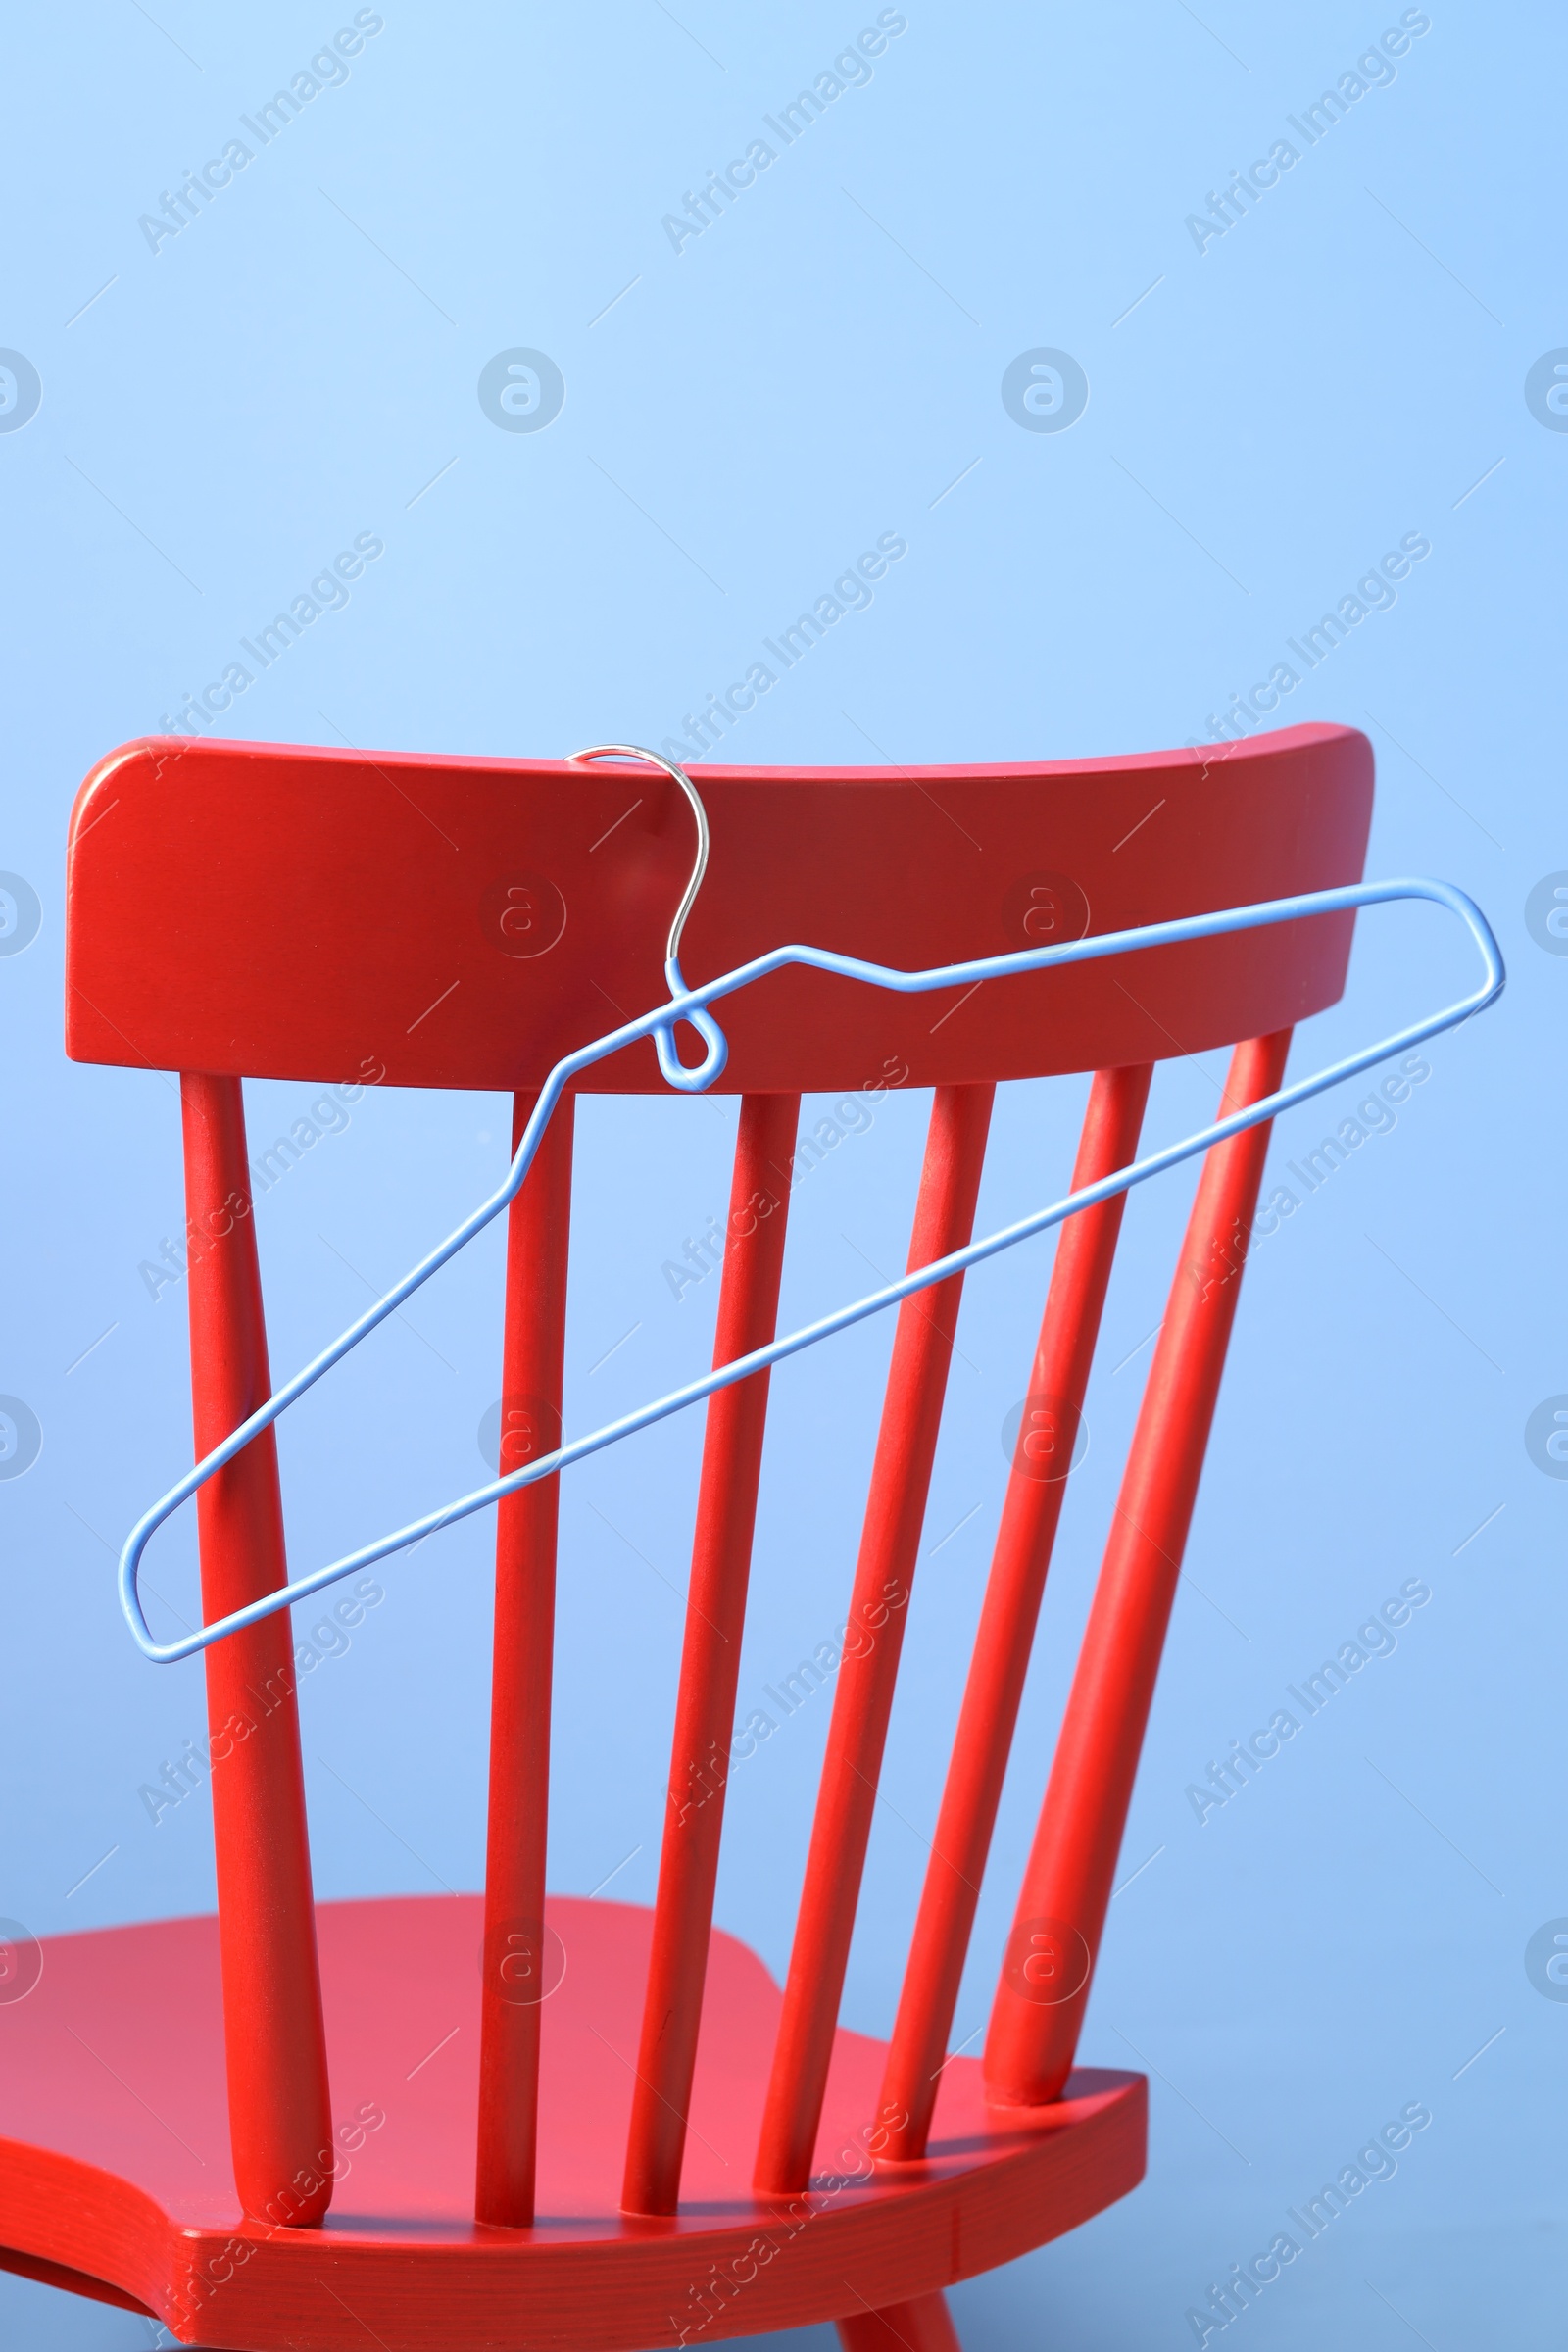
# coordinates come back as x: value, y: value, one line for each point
x: 1345, y: 365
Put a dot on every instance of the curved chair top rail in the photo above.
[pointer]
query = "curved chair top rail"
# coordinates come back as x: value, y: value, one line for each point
x: 271, y: 910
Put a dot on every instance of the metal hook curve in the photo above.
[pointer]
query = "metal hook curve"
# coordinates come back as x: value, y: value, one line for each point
x: 694, y: 1080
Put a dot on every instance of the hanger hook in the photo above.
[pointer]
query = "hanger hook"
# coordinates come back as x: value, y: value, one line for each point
x: 689, y: 1081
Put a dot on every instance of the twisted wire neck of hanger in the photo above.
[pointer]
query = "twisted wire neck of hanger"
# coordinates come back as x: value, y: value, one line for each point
x: 689, y: 1079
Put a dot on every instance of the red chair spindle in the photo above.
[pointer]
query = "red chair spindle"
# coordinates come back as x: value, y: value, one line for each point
x: 715, y: 1619
x: 280, y: 2120
x: 884, y: 1577
x: 1055, y: 1935
x: 516, y: 1963
x: 1057, y: 1381
x: 923, y: 2325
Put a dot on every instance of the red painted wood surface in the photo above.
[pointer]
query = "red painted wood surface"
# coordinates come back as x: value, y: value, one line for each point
x: 923, y: 2325
x: 277, y: 2054
x: 141, y: 2196
x: 464, y: 922
x: 1048, y: 1431
x: 710, y: 1658
x: 518, y: 1965
x: 879, y: 1610
x: 1049, y: 1965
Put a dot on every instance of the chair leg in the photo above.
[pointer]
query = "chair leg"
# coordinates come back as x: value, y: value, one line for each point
x: 923, y: 2325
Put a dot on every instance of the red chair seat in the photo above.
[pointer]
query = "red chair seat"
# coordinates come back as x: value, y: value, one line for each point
x: 115, y: 2174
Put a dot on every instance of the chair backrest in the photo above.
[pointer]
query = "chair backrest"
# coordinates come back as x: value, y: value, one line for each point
x: 242, y: 909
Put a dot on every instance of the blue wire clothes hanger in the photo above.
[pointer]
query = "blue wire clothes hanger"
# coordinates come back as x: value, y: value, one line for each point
x: 691, y: 1007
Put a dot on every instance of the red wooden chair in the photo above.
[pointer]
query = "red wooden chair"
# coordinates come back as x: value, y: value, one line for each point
x: 224, y: 2123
